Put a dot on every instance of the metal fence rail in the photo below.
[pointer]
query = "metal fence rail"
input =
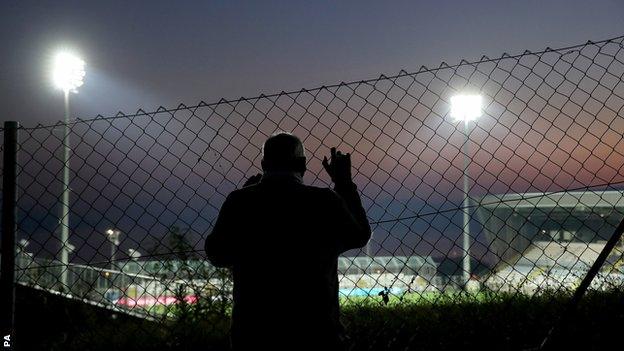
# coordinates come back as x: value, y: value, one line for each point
x: 521, y: 200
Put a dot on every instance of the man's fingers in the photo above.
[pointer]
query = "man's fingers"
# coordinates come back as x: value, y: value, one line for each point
x: 327, y: 167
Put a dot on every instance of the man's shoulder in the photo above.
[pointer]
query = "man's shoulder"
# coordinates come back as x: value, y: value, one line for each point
x: 256, y: 189
x: 242, y: 192
x: 317, y: 189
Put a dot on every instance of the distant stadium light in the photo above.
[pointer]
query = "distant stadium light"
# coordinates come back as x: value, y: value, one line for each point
x: 466, y: 107
x: 23, y: 243
x: 68, y: 73
x: 134, y: 254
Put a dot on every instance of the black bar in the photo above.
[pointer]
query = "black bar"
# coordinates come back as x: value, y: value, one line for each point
x: 580, y: 291
x: 9, y: 226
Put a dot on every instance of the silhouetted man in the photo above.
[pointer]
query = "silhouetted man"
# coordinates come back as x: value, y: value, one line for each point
x: 282, y: 239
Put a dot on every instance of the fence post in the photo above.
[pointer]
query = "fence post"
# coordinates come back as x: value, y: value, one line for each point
x: 582, y: 288
x: 9, y: 226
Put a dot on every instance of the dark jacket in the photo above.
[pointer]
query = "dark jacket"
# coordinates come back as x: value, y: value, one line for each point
x: 282, y: 239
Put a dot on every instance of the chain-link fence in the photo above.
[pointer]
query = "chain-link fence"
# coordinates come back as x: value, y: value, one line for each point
x: 519, y: 201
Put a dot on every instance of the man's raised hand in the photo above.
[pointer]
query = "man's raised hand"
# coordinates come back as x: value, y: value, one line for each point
x: 339, y: 167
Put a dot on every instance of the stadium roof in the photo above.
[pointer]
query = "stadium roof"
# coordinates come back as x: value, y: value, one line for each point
x: 579, y: 199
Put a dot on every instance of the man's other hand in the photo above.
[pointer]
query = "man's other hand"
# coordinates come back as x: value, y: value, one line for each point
x: 254, y: 179
x: 339, y: 167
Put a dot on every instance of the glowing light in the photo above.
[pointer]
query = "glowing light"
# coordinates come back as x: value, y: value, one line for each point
x: 466, y: 107
x: 113, y: 235
x: 68, y: 72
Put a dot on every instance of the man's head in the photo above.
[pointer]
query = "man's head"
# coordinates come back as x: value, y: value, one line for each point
x: 283, y: 152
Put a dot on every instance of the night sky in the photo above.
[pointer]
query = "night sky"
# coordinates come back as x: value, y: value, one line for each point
x: 146, y: 54
x: 162, y: 53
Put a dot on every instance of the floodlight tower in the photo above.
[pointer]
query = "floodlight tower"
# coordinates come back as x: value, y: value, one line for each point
x: 113, y: 237
x: 466, y: 108
x: 68, y: 74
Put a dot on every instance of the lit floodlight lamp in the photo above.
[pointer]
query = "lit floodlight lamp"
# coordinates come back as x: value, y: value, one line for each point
x: 68, y: 72
x: 113, y: 235
x: 23, y: 243
x: 466, y: 107
x: 134, y: 254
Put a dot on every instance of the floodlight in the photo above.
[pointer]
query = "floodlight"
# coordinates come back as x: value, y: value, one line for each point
x: 466, y: 107
x: 69, y: 71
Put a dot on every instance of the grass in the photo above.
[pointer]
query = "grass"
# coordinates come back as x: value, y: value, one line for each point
x: 496, y: 322
x: 418, y: 322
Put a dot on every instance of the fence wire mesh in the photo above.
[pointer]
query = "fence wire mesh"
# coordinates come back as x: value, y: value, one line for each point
x: 542, y: 165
